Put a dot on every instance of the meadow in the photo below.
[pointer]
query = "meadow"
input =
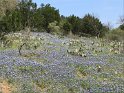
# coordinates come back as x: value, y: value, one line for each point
x: 52, y: 64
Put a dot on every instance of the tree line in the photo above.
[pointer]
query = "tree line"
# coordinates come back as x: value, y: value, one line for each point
x: 24, y: 13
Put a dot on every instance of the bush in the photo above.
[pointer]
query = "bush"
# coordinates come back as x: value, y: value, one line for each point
x: 3, y: 27
x: 66, y: 28
x: 116, y: 34
x: 74, y: 22
x: 121, y: 27
x: 92, y: 25
x: 54, y: 29
x: 49, y: 14
x: 3, y: 30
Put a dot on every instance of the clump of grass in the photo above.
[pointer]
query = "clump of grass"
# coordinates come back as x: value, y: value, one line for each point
x: 30, y: 69
x: 39, y: 60
x: 72, y: 90
x: 27, y: 88
x: 81, y: 71
x: 85, y: 85
x: 30, y: 55
x: 111, y: 60
x: 25, y: 68
x: 116, y: 35
x: 42, y: 85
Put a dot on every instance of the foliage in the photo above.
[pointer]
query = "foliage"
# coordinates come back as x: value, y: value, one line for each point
x: 121, y: 27
x: 50, y: 14
x: 66, y: 26
x: 20, y: 17
x: 25, y: 14
x: 27, y: 9
x: 38, y: 20
x: 7, y: 5
x: 54, y: 29
x: 92, y: 25
x: 75, y: 24
x: 3, y: 30
x: 116, y: 34
x: 3, y: 27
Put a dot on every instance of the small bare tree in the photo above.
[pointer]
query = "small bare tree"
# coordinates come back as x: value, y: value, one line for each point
x: 122, y: 19
x: 25, y: 39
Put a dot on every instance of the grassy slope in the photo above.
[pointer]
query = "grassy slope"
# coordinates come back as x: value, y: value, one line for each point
x: 63, y: 65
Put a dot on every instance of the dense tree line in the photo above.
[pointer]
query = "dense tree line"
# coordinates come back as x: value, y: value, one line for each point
x: 46, y: 18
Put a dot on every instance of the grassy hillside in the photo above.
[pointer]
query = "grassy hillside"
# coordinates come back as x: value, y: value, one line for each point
x: 53, y: 64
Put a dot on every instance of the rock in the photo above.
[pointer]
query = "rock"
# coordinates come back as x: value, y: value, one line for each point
x: 116, y: 52
x: 116, y: 72
x: 92, y: 43
x: 99, y: 69
x: 76, y: 50
x: 83, y: 55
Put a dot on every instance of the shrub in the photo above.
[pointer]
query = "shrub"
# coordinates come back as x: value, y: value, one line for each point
x: 66, y: 28
x: 121, y: 27
x: 74, y: 22
x: 116, y: 34
x: 50, y: 14
x: 3, y: 31
x: 3, y: 27
x: 54, y: 29
x: 92, y: 25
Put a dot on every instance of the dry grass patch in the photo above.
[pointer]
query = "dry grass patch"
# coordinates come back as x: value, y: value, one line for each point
x: 5, y: 87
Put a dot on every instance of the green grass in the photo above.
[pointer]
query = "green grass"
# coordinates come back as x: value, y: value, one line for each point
x: 81, y: 71
x: 25, y: 68
x: 85, y: 85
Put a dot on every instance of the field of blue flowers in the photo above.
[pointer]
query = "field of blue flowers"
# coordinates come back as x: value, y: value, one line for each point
x: 54, y: 64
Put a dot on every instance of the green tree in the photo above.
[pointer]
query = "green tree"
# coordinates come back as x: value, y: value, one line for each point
x: 6, y: 7
x: 50, y: 14
x: 75, y: 24
x: 66, y: 28
x: 38, y: 20
x: 3, y: 29
x: 92, y: 25
x: 121, y: 26
x: 27, y: 9
x: 13, y: 20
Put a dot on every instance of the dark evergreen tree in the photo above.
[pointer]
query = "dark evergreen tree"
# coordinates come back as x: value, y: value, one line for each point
x: 26, y: 14
x: 121, y: 26
x: 92, y: 25
x: 75, y: 24
x: 66, y: 28
x: 27, y: 9
x: 50, y: 14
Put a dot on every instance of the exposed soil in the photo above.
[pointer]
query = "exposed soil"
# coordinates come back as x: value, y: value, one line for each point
x: 5, y: 87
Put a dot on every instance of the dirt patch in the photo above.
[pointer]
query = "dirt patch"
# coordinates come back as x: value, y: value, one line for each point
x: 5, y: 87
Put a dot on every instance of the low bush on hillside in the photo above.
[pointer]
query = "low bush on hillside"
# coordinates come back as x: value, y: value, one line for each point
x: 116, y: 35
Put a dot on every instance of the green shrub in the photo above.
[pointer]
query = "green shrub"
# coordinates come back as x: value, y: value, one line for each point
x: 66, y: 28
x: 93, y: 26
x: 121, y: 26
x: 54, y: 29
x: 116, y: 34
x: 74, y: 22
x: 3, y: 29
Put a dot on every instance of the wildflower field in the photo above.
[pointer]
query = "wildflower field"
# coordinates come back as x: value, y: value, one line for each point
x: 54, y: 64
